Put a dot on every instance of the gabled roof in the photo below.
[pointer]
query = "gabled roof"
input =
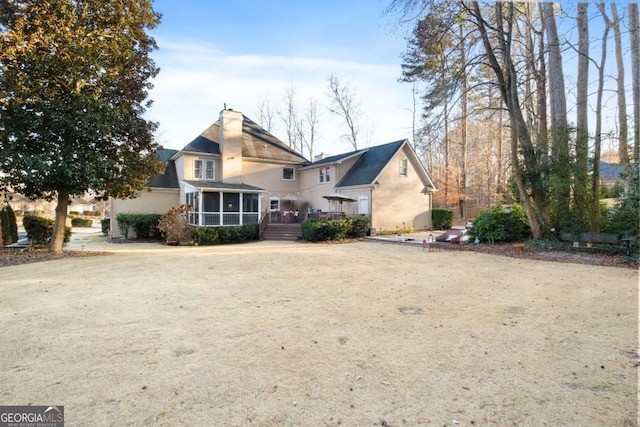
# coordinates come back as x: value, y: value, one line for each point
x: 370, y: 164
x: 337, y: 158
x: 257, y: 143
x: 169, y: 178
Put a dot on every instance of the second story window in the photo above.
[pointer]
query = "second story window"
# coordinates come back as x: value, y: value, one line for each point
x: 203, y: 169
x: 289, y: 174
x: 325, y: 174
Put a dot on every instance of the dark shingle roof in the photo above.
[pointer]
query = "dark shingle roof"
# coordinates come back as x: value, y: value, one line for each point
x: 256, y: 143
x: 337, y: 157
x: 169, y: 178
x: 260, y: 144
x: 370, y: 164
x: 215, y: 185
x: 610, y: 171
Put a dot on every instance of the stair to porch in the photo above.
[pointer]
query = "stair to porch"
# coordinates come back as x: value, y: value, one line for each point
x: 276, y: 231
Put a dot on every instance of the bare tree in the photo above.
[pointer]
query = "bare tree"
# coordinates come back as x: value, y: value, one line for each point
x: 289, y: 116
x: 595, y: 184
x: 266, y: 114
x: 307, y: 127
x: 345, y: 104
x: 623, y: 147
x: 582, y: 125
x: 635, y: 78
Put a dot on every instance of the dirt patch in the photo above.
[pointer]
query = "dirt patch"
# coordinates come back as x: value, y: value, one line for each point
x: 289, y: 334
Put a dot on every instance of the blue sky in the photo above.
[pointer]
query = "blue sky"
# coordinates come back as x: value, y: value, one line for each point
x: 244, y: 52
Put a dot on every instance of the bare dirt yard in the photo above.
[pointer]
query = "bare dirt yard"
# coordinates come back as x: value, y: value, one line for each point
x: 294, y: 334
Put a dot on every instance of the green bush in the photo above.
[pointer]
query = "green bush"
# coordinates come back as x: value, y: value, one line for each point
x: 624, y: 217
x: 9, y: 226
x: 219, y: 235
x: 81, y: 222
x: 441, y: 218
x: 105, y: 223
x: 316, y: 230
x: 40, y: 230
x: 359, y: 226
x: 74, y: 213
x: 143, y: 225
x: 91, y: 213
x: 495, y: 225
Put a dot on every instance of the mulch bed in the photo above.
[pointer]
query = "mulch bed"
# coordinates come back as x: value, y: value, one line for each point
x: 28, y: 257
x: 576, y: 257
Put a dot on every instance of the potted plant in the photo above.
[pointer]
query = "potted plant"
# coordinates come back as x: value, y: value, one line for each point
x: 174, y: 225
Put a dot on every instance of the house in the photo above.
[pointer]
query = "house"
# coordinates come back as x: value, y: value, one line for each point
x: 236, y: 173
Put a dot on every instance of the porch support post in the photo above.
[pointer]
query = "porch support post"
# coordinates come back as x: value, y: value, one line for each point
x: 221, y: 208
x: 200, y: 203
x: 241, y: 206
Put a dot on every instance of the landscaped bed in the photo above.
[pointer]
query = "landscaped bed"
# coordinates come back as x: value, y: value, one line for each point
x: 274, y: 333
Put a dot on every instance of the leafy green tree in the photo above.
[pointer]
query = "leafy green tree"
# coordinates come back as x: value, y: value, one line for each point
x: 74, y: 82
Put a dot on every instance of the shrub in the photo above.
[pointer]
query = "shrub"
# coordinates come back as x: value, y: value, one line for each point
x: 359, y: 226
x: 40, y: 230
x: 174, y: 225
x: 143, y: 225
x: 218, y: 235
x: 74, y: 213
x: 316, y: 230
x: 495, y: 225
x: 105, y: 223
x: 441, y: 218
x: 8, y: 226
x: 81, y: 222
x: 91, y: 213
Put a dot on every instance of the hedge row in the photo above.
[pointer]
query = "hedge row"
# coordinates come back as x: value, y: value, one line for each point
x: 143, y: 225
x: 317, y: 230
x: 442, y: 218
x: 81, y: 222
x: 218, y: 235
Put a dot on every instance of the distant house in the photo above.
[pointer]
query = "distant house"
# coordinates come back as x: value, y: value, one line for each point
x: 236, y: 173
x: 610, y: 174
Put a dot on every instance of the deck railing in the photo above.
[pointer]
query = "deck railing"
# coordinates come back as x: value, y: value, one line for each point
x: 216, y: 219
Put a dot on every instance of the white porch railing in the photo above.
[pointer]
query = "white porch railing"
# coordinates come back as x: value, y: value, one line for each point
x: 216, y: 219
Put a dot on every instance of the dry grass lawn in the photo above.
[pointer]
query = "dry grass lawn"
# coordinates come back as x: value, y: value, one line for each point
x: 291, y: 334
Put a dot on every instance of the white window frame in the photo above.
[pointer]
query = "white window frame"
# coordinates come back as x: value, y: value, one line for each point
x: 293, y: 174
x: 204, y: 169
x: 404, y: 167
x: 325, y: 174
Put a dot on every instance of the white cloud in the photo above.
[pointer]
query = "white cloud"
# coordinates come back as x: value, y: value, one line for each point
x: 197, y: 79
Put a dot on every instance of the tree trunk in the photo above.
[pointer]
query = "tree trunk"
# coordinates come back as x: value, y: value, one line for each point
x: 57, y: 240
x: 582, y: 125
x: 559, y: 123
x: 635, y: 78
x: 623, y: 147
x: 506, y: 76
x: 595, y: 179
x: 464, y: 89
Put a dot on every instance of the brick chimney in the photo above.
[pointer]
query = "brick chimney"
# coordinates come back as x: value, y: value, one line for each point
x: 231, y: 146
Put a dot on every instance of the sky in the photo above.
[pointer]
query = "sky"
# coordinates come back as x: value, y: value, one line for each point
x: 241, y: 53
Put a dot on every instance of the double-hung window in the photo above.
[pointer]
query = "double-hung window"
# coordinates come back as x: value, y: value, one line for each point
x: 288, y: 174
x: 204, y: 169
x: 325, y: 174
x: 403, y: 167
